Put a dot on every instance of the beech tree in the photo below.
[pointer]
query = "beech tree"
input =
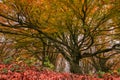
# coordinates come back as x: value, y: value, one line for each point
x: 73, y: 27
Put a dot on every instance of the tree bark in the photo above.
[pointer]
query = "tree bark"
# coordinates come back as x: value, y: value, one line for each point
x: 75, y: 68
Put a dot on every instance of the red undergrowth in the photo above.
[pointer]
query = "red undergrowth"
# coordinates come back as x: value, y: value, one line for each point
x: 23, y: 72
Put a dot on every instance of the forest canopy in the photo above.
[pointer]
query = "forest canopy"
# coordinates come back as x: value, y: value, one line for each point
x: 75, y: 28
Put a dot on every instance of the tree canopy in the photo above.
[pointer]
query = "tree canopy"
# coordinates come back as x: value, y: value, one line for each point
x: 75, y: 28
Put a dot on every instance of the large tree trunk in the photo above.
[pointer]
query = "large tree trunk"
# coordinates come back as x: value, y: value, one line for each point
x: 75, y: 68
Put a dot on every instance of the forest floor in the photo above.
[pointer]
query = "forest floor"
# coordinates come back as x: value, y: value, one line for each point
x: 23, y: 72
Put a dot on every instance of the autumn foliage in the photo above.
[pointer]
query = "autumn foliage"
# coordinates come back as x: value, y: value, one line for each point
x: 77, y: 29
x: 21, y: 71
